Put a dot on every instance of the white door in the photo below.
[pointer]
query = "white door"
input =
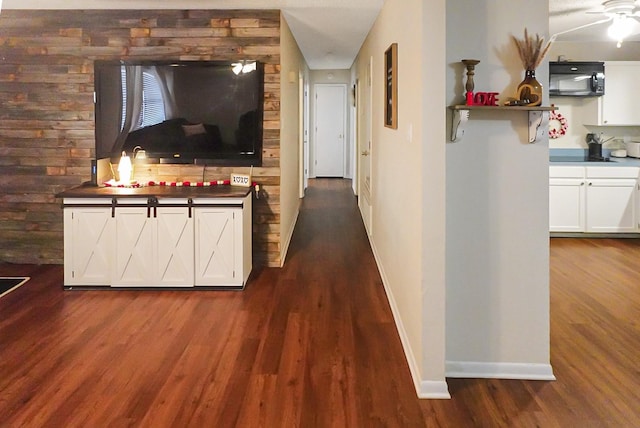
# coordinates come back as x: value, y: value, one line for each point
x: 215, y: 238
x: 174, y: 246
x: 88, y: 246
x: 611, y: 205
x: 364, y: 107
x: 330, y: 129
x: 567, y: 204
x: 134, y: 246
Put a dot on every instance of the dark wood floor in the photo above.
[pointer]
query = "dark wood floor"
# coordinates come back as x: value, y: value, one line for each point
x: 309, y: 345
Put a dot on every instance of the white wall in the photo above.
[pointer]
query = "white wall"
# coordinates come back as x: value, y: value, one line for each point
x: 497, y: 256
x: 408, y: 181
x: 291, y: 64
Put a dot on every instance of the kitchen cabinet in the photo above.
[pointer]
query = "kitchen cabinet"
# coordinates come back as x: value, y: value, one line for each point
x: 618, y: 105
x: 593, y: 199
x: 611, y: 199
x: 88, y: 243
x: 157, y: 242
x: 567, y: 192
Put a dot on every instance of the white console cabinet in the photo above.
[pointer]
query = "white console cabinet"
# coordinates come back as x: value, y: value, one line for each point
x: 157, y: 242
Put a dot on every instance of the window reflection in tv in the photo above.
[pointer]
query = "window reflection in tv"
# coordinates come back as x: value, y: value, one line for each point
x: 203, y: 112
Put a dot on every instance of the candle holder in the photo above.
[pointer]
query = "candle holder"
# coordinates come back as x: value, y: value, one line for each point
x: 470, y: 85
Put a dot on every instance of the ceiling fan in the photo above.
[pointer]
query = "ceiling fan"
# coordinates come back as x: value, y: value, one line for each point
x: 621, y: 13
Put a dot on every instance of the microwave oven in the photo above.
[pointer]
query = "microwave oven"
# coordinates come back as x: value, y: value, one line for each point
x: 576, y: 79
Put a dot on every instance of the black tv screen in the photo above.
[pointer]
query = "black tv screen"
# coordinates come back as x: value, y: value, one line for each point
x: 203, y: 112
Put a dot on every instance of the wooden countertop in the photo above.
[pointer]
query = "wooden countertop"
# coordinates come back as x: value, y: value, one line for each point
x: 221, y: 191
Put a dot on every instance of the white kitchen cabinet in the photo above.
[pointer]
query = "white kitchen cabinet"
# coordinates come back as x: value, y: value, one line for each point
x: 618, y: 105
x: 593, y: 199
x: 88, y: 244
x: 611, y: 206
x: 611, y: 199
x: 567, y: 205
x: 222, y: 243
x: 567, y: 198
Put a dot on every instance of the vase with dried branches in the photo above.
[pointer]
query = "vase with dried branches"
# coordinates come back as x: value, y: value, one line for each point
x: 532, y: 51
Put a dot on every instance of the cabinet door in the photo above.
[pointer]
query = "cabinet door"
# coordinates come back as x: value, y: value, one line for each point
x: 622, y: 89
x: 175, y: 265
x: 217, y: 245
x: 566, y: 205
x: 135, y: 255
x: 88, y: 246
x: 611, y: 205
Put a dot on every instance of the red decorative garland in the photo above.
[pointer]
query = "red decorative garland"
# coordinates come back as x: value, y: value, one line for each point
x: 179, y: 184
x: 557, y: 132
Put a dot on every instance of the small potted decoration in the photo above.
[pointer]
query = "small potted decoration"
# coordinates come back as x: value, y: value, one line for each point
x: 531, y: 50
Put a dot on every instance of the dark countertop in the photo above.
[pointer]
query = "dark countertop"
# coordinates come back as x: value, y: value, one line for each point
x: 221, y: 191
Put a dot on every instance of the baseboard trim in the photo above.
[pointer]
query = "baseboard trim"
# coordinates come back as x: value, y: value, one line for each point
x: 434, y: 390
x: 424, y: 388
x: 287, y: 241
x: 522, y: 371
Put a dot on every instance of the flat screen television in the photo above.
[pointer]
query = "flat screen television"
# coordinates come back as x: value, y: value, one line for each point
x: 201, y: 112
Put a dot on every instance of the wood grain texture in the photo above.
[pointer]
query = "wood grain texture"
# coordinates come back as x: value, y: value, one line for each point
x: 312, y: 344
x: 47, y: 112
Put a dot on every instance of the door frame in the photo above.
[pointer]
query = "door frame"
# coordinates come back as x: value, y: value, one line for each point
x: 365, y: 81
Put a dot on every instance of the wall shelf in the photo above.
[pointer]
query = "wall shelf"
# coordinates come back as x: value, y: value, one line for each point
x: 462, y: 112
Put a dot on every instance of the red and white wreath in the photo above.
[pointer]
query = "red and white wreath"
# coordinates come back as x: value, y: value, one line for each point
x: 557, y: 124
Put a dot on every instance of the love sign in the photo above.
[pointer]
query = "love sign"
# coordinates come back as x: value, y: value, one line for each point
x: 243, y: 180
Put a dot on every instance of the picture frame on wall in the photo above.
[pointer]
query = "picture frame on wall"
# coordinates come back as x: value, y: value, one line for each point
x: 391, y: 87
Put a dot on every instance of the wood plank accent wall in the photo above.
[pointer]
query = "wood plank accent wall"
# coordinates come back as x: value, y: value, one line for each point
x: 47, y: 112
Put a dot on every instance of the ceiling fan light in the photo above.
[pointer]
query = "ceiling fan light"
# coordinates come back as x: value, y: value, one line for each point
x: 621, y: 28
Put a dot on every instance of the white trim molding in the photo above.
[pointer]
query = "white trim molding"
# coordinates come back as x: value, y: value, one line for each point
x: 433, y: 389
x: 430, y: 389
x: 523, y: 371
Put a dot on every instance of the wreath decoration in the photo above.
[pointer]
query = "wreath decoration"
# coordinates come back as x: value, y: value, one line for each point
x: 561, y: 129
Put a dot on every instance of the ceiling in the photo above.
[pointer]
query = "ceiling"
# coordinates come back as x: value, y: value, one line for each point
x: 330, y: 32
x: 567, y: 14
